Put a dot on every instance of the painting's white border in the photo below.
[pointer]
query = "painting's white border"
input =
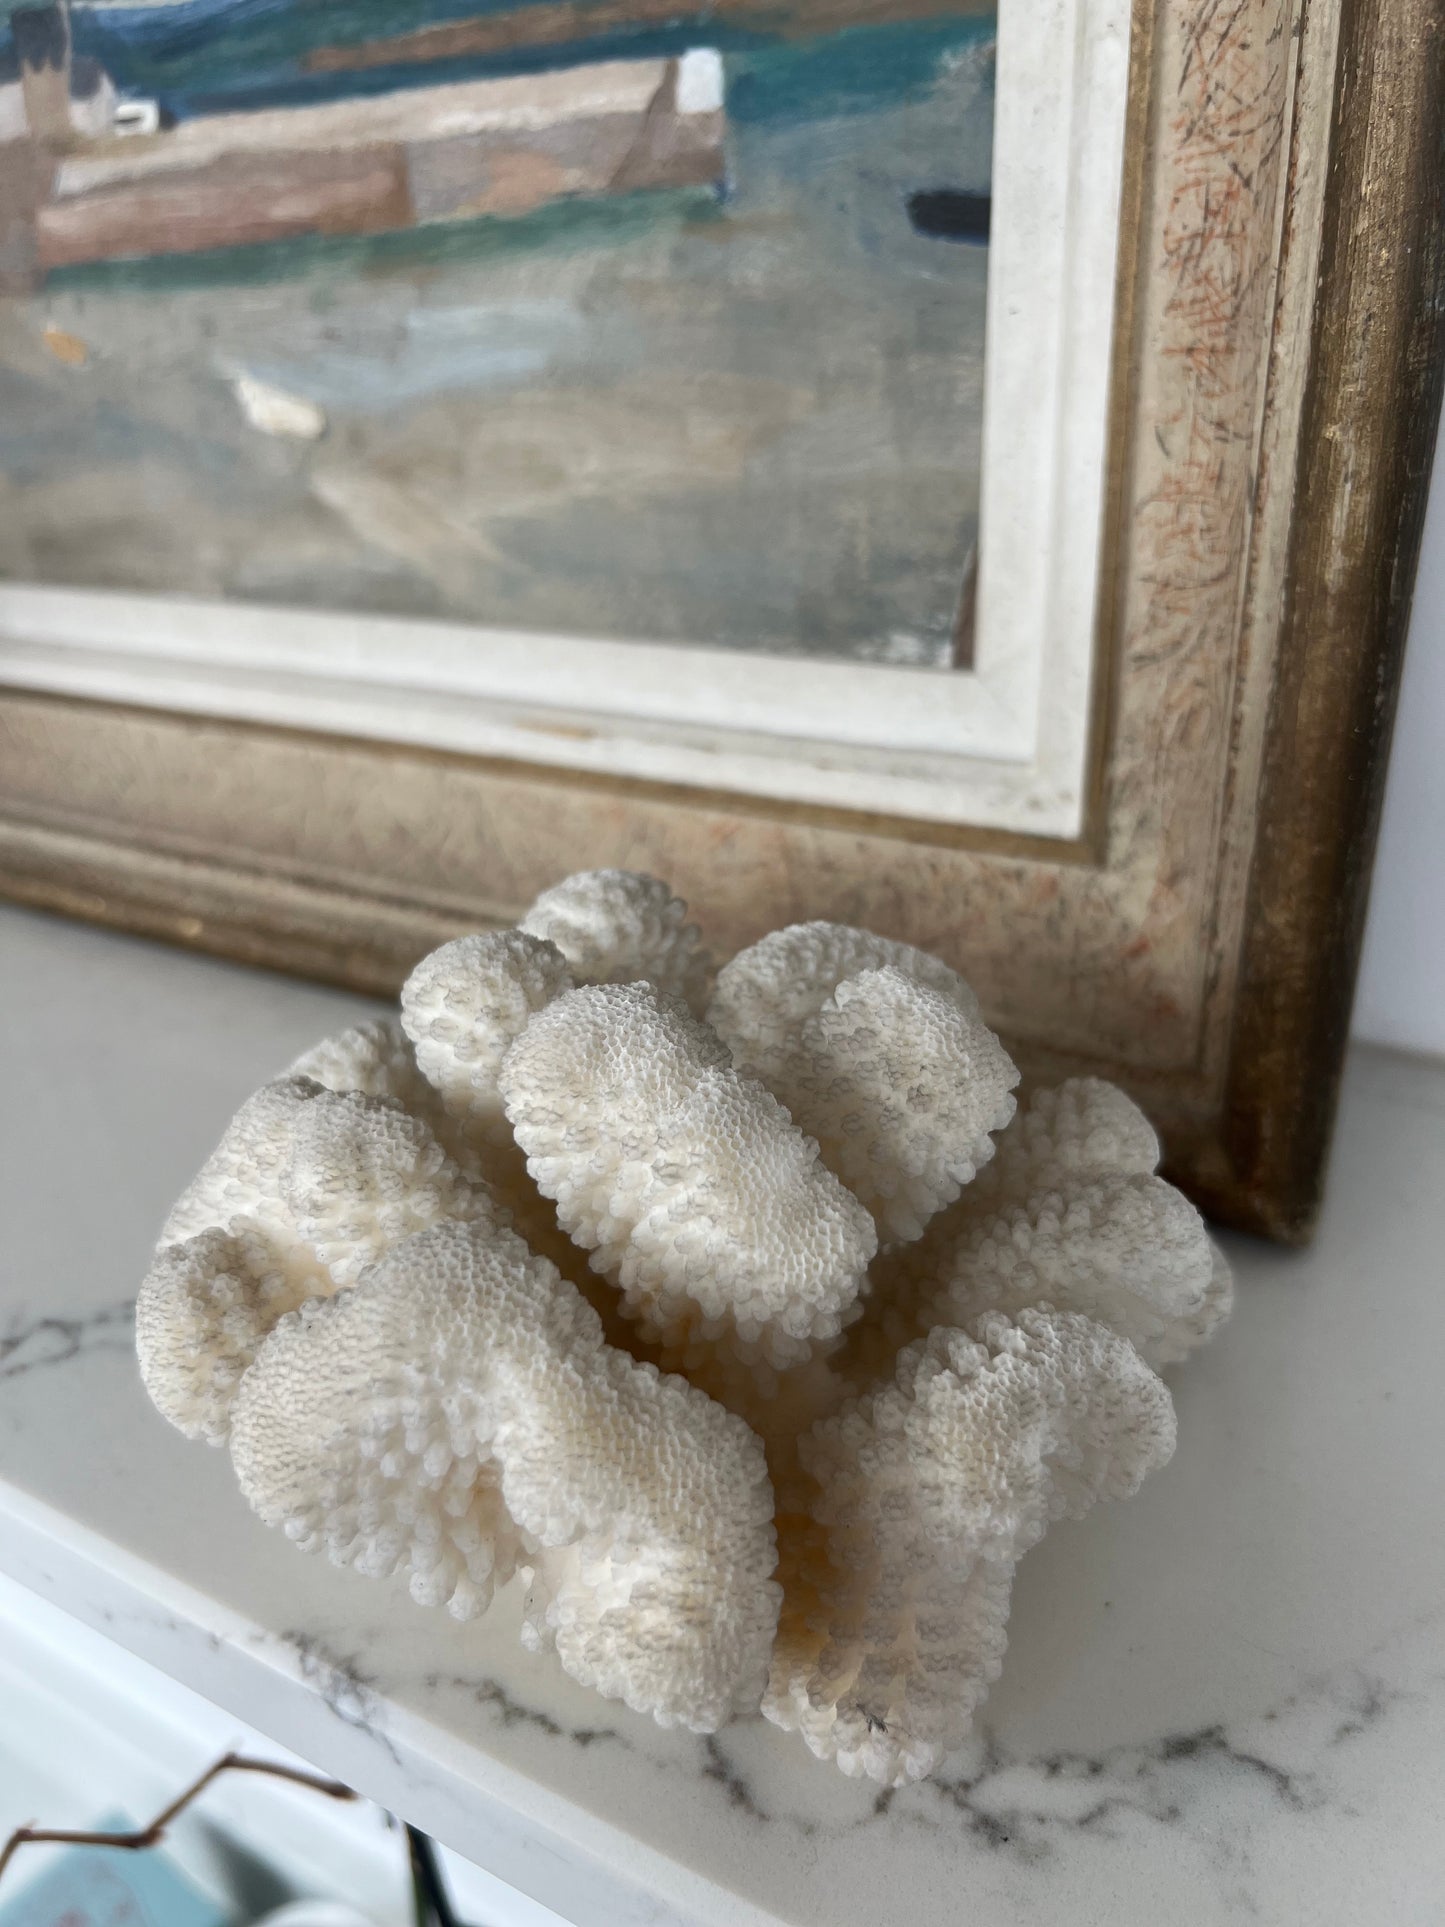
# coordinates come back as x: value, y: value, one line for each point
x: 1001, y: 746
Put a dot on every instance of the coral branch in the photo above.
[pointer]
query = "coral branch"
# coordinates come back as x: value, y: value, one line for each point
x: 689, y: 1184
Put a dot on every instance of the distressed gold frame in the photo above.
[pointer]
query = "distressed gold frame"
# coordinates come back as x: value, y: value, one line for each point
x: 1277, y: 380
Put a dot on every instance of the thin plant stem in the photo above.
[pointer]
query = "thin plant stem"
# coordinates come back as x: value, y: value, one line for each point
x: 148, y: 1836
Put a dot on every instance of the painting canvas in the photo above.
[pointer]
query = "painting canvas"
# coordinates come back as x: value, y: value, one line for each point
x: 591, y: 317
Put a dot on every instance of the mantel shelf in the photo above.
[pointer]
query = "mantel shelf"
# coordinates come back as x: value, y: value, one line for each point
x: 1226, y: 1698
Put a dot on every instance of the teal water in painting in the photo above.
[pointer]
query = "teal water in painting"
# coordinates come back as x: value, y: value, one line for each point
x: 563, y: 227
x: 748, y: 417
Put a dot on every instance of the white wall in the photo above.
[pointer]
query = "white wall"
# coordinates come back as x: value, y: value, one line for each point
x: 1401, y: 995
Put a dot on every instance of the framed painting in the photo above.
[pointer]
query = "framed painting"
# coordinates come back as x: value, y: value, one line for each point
x: 589, y: 348
x: 906, y: 461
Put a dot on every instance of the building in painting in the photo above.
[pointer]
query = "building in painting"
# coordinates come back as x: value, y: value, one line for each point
x: 48, y: 93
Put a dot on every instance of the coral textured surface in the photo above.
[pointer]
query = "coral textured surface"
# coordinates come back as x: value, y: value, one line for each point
x: 763, y: 1343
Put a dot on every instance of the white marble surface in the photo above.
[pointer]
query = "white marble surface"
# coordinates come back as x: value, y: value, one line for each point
x: 1225, y: 1701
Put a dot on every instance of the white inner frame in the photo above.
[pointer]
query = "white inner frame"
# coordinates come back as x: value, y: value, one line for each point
x: 1002, y: 745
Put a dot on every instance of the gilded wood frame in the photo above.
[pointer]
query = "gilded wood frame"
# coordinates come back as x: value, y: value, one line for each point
x: 1277, y: 381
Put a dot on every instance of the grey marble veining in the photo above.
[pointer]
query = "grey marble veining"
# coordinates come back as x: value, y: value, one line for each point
x: 32, y: 1341
x: 1223, y: 1702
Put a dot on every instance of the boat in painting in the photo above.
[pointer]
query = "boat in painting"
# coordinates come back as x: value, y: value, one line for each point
x: 111, y: 179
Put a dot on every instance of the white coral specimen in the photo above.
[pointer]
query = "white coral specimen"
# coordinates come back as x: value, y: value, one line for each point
x: 1079, y: 1130
x: 927, y: 1495
x: 307, y: 1187
x: 435, y: 1285
x: 1071, y: 1215
x: 466, y: 1004
x: 204, y: 1307
x: 619, y: 927
x: 768, y: 992
x: 458, y: 1412
x: 375, y: 1058
x: 878, y: 1050
x: 690, y: 1184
